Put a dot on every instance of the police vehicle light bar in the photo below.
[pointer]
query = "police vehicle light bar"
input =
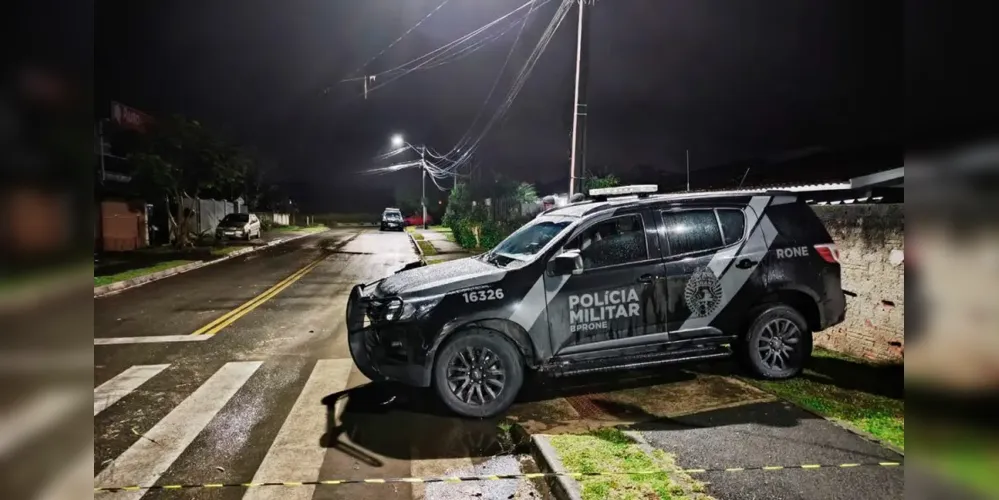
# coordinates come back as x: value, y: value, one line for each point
x: 625, y: 190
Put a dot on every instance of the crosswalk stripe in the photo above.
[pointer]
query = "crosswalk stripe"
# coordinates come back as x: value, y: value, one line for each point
x: 122, y: 384
x: 294, y: 454
x: 157, y: 449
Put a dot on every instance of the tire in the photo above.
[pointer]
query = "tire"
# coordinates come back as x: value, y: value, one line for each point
x: 494, y: 393
x: 777, y: 345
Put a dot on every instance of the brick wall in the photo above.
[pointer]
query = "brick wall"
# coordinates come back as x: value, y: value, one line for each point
x: 871, y: 243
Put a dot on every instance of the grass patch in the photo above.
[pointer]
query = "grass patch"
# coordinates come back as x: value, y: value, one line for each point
x: 426, y: 247
x: 411, y: 229
x: 417, y: 236
x: 864, y: 394
x: 135, y: 273
x: 610, y: 450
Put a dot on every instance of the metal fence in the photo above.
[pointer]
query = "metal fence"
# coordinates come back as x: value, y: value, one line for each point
x: 206, y: 214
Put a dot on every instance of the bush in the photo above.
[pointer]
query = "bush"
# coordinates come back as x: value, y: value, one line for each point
x: 464, y: 219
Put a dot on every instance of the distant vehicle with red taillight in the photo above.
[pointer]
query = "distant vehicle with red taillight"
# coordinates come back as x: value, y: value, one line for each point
x: 417, y: 220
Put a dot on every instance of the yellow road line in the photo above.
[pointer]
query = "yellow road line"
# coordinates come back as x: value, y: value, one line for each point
x: 231, y: 316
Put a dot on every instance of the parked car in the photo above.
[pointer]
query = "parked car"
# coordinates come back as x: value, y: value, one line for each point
x: 417, y: 220
x: 392, y: 219
x: 607, y: 284
x: 244, y: 226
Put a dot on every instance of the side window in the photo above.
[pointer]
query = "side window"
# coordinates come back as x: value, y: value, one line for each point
x: 614, y: 241
x: 692, y: 231
x: 733, y: 224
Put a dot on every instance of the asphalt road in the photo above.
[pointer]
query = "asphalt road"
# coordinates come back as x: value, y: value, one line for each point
x: 237, y: 372
x: 267, y: 392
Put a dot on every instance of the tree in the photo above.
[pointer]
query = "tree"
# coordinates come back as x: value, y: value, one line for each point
x: 179, y: 159
x: 525, y: 193
x: 597, y: 182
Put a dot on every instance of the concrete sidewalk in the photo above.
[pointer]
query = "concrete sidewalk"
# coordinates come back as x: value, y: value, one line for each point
x: 446, y: 249
x: 440, y: 241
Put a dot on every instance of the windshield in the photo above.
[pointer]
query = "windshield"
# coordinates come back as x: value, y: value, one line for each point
x: 392, y: 215
x: 237, y: 218
x: 530, y: 239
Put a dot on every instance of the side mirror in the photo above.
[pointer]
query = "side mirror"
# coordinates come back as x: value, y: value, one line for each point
x: 569, y: 262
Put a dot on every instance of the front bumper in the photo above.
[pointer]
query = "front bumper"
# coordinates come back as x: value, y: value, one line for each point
x: 383, y: 349
x: 229, y: 233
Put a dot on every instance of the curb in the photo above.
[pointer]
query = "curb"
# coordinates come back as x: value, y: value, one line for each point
x: 121, y: 286
x: 562, y: 487
x: 419, y: 251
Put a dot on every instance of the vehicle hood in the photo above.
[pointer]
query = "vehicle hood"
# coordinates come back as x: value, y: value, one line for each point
x: 233, y: 225
x: 439, y: 278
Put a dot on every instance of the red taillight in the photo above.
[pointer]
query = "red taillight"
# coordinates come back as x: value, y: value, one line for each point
x: 828, y: 252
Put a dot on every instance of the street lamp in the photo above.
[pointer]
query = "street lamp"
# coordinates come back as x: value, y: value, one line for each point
x: 398, y: 142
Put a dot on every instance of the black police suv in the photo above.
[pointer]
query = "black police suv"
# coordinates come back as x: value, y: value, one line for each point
x: 606, y: 284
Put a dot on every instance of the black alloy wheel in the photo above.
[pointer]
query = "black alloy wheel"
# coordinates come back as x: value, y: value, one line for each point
x: 478, y: 373
x: 778, y: 343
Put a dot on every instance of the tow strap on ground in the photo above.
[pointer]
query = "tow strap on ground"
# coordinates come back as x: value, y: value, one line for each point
x: 499, y: 477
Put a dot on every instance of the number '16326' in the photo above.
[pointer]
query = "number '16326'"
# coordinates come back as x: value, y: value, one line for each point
x: 483, y: 295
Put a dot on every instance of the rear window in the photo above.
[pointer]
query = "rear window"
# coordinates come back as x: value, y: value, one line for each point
x: 692, y: 231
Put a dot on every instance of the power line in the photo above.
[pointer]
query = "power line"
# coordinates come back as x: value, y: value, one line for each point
x: 439, y: 53
x: 496, y: 81
x: 397, y: 40
x: 521, y: 78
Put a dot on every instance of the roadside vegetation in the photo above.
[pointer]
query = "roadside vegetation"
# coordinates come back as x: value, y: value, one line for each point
x: 861, y: 393
x: 426, y: 247
x: 610, y: 450
x: 135, y: 273
x: 477, y: 226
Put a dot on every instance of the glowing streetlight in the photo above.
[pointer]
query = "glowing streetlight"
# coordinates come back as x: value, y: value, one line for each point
x: 398, y: 142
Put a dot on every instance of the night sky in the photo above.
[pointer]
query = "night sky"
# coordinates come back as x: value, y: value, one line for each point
x: 727, y: 79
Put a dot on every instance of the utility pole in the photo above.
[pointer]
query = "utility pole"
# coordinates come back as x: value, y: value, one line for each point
x: 423, y: 167
x: 688, y: 170
x: 578, y: 155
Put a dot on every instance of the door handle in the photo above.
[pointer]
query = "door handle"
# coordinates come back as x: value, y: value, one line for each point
x: 646, y: 278
x: 746, y: 263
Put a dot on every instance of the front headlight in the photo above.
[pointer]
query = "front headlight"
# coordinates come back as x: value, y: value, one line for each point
x: 412, y: 308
